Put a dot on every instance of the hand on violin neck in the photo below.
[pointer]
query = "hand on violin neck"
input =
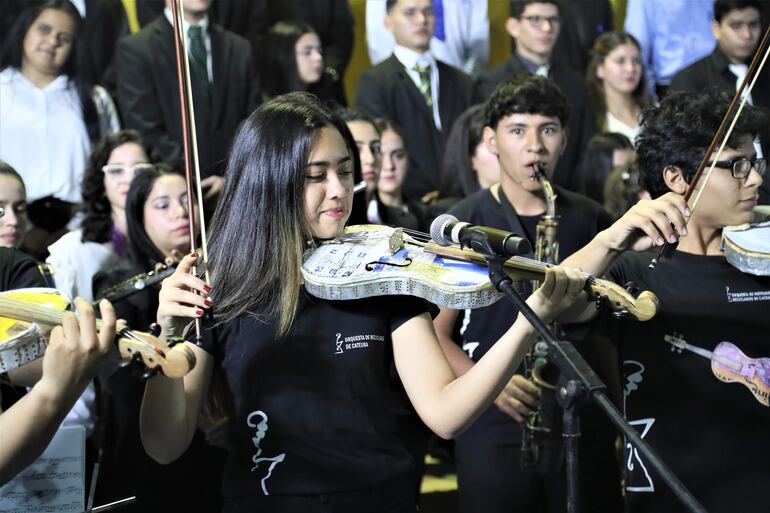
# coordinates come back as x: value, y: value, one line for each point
x: 182, y: 297
x: 76, y: 350
x: 648, y: 224
x: 519, y: 398
x: 561, y: 287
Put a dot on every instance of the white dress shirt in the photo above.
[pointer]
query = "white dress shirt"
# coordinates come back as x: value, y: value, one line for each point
x: 43, y: 135
x: 466, y: 35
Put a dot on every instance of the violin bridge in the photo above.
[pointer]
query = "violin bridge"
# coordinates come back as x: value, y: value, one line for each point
x: 396, y: 241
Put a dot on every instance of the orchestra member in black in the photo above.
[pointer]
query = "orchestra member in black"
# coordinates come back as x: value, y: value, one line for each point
x: 712, y: 435
x: 306, y: 378
x: 73, y: 355
x: 526, y: 126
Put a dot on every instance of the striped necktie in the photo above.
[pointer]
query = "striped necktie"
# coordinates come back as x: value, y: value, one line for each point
x: 425, y: 89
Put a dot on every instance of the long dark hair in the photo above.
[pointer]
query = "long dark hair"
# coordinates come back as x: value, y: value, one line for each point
x: 603, y: 46
x: 458, y: 178
x: 142, y: 250
x: 97, y: 223
x: 279, y: 59
x: 14, y: 48
x: 259, y: 230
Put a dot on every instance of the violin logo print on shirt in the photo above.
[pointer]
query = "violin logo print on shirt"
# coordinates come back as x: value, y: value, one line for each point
x: 258, y: 458
x: 354, y: 342
x: 639, y: 479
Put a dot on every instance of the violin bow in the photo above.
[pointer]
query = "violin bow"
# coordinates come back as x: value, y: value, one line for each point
x: 189, y: 141
x: 733, y: 111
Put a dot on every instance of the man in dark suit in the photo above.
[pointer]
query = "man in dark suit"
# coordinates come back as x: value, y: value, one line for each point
x: 535, y: 26
x: 737, y: 27
x: 414, y: 90
x: 225, y: 88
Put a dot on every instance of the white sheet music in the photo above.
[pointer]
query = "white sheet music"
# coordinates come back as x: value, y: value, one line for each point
x: 55, y: 482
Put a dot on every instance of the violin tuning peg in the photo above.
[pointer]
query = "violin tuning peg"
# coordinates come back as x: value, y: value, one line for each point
x: 632, y: 288
x: 154, y: 329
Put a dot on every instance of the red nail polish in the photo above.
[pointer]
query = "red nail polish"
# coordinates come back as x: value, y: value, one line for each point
x: 194, y: 255
x: 206, y: 289
x: 198, y: 312
x: 207, y: 302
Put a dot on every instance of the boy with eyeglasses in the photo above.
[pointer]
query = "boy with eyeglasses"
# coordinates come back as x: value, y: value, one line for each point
x: 713, y: 435
x: 737, y: 28
x: 535, y: 26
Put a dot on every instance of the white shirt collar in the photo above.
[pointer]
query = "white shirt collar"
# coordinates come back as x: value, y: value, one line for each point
x: 204, y: 23
x: 9, y: 75
x: 409, y: 57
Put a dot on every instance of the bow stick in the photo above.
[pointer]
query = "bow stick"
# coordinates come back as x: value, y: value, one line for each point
x: 189, y: 140
x: 755, y: 68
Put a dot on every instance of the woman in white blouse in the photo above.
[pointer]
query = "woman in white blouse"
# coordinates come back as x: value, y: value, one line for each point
x: 48, y: 116
x: 615, y: 80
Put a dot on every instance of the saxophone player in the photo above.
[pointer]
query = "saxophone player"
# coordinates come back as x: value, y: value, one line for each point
x: 526, y: 120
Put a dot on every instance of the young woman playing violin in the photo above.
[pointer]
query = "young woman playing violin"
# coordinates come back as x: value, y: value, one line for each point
x: 306, y: 379
x: 709, y: 433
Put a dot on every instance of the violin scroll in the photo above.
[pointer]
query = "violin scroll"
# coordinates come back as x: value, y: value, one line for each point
x: 174, y: 362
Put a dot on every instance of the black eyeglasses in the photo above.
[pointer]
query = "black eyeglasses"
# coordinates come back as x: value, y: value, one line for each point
x: 741, y: 167
x: 537, y: 20
x: 116, y: 170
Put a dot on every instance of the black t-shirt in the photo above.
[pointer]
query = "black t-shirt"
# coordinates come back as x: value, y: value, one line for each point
x: 715, y: 436
x: 580, y: 220
x: 310, y: 411
x: 17, y: 271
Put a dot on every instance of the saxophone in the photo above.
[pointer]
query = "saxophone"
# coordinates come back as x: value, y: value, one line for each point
x: 540, y: 422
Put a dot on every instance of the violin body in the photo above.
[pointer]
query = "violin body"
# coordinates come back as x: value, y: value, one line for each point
x: 754, y: 373
x: 730, y: 365
x: 373, y: 260
x: 20, y: 341
x: 747, y: 247
x: 28, y: 315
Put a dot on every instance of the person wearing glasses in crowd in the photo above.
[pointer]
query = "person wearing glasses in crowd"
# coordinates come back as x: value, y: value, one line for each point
x: 100, y: 242
x: 713, y: 435
x: 535, y: 26
x: 737, y: 28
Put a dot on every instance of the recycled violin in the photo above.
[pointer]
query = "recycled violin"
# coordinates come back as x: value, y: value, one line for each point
x: 28, y: 315
x: 731, y: 365
x: 373, y: 260
x: 747, y: 247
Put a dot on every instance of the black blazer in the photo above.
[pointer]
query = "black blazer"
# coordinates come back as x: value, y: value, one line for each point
x: 148, y: 96
x: 581, y: 123
x: 713, y: 71
x: 386, y: 90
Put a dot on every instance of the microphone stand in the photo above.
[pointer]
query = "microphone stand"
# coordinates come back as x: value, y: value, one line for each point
x: 578, y: 384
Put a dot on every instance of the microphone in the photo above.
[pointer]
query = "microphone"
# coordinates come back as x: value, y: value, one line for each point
x: 446, y: 229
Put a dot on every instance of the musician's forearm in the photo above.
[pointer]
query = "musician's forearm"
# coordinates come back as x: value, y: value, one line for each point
x: 595, y: 257
x: 28, y: 426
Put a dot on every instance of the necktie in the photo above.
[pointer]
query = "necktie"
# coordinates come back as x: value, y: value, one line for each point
x: 199, y: 73
x: 424, y: 72
x: 131, y: 15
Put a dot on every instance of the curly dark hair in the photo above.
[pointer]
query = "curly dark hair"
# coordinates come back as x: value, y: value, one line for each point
x: 97, y: 223
x: 525, y: 93
x: 679, y: 131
